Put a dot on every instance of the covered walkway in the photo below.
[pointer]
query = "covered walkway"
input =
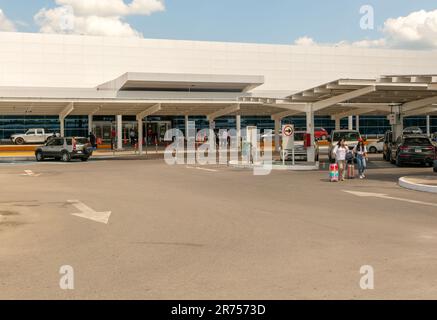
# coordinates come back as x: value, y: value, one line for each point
x: 214, y: 96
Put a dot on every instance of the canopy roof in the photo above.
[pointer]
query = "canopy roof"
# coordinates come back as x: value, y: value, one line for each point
x: 215, y: 96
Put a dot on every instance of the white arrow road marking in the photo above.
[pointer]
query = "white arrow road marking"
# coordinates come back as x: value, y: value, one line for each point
x: 384, y: 196
x: 88, y: 213
x: 30, y: 173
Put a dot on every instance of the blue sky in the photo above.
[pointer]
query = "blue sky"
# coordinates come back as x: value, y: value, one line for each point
x: 273, y: 21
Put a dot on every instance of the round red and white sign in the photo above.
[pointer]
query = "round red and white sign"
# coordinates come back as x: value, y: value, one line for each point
x: 288, y: 131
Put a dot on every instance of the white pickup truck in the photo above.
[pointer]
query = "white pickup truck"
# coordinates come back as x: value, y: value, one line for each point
x: 32, y: 136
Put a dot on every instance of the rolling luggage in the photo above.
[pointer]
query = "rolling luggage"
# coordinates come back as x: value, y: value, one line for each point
x: 351, y: 171
x: 333, y: 172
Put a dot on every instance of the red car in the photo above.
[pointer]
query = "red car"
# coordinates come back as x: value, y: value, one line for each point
x: 320, y: 134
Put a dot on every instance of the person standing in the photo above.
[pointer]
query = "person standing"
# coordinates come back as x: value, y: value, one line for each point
x: 113, y: 136
x: 132, y: 137
x: 340, y: 151
x: 361, y: 153
x: 93, y: 140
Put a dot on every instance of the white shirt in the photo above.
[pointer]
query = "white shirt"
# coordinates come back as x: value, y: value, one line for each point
x: 360, y: 152
x: 340, y: 153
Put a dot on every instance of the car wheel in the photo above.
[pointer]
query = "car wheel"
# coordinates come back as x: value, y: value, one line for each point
x: 373, y: 150
x: 435, y: 169
x: 39, y: 156
x: 19, y: 141
x: 84, y: 159
x: 66, y: 157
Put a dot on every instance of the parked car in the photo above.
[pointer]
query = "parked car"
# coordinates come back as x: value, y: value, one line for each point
x: 376, y: 146
x: 320, y: 134
x: 300, y: 152
x: 32, y: 136
x: 386, y: 148
x: 351, y: 137
x: 413, y: 149
x: 65, y: 149
x: 412, y: 130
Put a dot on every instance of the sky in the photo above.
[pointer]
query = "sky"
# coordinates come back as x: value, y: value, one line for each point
x: 408, y: 24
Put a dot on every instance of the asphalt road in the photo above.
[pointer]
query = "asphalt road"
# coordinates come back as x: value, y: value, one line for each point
x: 187, y: 233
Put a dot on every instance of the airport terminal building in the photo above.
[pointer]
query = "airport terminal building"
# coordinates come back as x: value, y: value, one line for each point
x: 73, y: 84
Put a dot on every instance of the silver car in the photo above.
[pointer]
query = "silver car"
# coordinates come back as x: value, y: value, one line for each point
x: 65, y: 149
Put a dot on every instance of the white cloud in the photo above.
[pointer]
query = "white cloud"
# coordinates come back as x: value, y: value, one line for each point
x: 305, y: 41
x: 5, y: 23
x: 113, y: 7
x: 418, y: 30
x: 95, y: 17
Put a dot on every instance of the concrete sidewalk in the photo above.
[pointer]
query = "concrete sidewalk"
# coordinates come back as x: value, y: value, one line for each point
x: 420, y: 183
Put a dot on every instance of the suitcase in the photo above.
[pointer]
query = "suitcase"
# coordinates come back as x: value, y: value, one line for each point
x: 351, y: 171
x: 333, y: 172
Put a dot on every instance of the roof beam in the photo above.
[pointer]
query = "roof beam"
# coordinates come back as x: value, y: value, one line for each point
x: 285, y: 114
x: 421, y: 111
x: 66, y: 111
x: 224, y: 112
x: 95, y: 110
x: 149, y: 111
x: 371, y: 106
x: 342, y: 98
x: 418, y: 103
x: 299, y: 107
x: 351, y: 113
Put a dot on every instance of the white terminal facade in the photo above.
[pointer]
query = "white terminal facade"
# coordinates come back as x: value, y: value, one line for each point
x: 63, y: 76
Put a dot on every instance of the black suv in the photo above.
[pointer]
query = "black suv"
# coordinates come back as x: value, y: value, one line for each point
x: 416, y: 149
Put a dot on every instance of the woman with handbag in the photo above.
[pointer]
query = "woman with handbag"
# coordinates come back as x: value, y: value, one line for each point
x: 361, y: 154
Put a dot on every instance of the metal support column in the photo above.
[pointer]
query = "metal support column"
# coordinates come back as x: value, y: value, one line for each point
x: 140, y: 136
x: 351, y: 122
x: 277, y: 134
x: 310, y: 130
x: 119, y: 132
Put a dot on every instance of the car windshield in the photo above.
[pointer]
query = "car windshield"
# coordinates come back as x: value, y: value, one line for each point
x: 348, y: 136
x: 417, y: 142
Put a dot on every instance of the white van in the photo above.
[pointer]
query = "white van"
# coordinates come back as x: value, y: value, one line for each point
x: 350, y: 136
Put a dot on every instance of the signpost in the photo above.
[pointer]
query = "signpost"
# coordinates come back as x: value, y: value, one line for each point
x: 288, y: 141
x: 251, y: 142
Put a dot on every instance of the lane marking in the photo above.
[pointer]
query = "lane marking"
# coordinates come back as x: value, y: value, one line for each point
x: 387, y: 197
x: 203, y: 169
x: 30, y: 173
x: 88, y: 213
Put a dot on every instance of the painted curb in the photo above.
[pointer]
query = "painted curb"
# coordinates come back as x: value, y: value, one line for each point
x: 404, y: 183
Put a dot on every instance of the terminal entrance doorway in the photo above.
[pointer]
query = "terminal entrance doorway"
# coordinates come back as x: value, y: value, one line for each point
x: 153, y: 131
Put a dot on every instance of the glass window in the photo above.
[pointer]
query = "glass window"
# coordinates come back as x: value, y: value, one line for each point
x: 348, y: 136
x: 417, y: 142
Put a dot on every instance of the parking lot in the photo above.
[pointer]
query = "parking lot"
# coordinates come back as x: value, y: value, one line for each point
x: 189, y: 232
